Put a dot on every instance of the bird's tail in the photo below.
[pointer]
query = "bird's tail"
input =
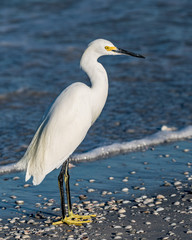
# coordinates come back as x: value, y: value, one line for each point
x: 22, y: 164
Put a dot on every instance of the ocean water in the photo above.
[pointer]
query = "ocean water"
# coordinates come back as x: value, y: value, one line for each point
x: 41, y: 44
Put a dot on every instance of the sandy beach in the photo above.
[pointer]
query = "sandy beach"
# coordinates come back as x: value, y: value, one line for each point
x: 132, y: 199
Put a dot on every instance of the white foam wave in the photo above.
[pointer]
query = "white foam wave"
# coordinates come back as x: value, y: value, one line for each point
x: 12, y: 167
x: 165, y: 135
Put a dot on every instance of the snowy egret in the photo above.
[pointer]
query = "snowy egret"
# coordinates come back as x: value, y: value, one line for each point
x: 67, y: 122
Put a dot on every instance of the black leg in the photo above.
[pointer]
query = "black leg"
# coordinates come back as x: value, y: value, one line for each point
x: 71, y: 218
x: 67, y: 186
x: 61, y: 189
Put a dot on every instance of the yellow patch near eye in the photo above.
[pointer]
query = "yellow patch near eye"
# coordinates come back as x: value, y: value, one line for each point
x: 110, y: 48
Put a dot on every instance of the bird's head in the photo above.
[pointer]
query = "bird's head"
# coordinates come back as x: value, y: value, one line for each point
x: 105, y: 47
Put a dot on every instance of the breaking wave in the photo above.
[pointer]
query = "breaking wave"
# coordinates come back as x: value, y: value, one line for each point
x: 165, y: 135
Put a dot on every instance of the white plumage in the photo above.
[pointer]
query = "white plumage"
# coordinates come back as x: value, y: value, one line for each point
x: 61, y: 132
x: 68, y: 120
x: 70, y: 116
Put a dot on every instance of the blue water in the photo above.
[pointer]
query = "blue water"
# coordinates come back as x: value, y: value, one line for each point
x: 41, y: 43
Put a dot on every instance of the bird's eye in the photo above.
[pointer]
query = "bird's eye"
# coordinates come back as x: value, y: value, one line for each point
x: 107, y: 48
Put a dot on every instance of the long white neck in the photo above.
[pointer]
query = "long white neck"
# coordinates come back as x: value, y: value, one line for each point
x: 99, y: 81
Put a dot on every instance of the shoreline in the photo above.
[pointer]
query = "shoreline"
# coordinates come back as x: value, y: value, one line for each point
x: 141, y: 195
x: 165, y: 215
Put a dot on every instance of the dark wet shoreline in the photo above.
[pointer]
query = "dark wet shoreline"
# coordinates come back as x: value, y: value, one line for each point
x: 138, y: 202
x: 164, y: 215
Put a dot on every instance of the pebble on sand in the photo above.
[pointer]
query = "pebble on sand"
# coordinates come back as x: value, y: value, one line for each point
x: 19, y: 202
x: 122, y: 210
x: 92, y: 180
x: 160, y: 196
x: 111, y: 178
x: 90, y: 190
x: 13, y: 197
x: 125, y: 190
x: 177, y: 183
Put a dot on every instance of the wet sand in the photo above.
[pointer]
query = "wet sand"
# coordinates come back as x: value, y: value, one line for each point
x: 142, y: 195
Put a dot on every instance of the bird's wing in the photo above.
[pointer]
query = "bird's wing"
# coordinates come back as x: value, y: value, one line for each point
x: 63, y: 129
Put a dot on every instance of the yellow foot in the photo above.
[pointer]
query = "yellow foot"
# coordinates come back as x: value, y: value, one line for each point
x: 75, y: 219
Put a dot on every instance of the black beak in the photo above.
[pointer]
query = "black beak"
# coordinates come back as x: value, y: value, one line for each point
x: 119, y: 50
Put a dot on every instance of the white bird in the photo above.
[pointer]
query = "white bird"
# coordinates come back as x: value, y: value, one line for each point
x: 67, y: 123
